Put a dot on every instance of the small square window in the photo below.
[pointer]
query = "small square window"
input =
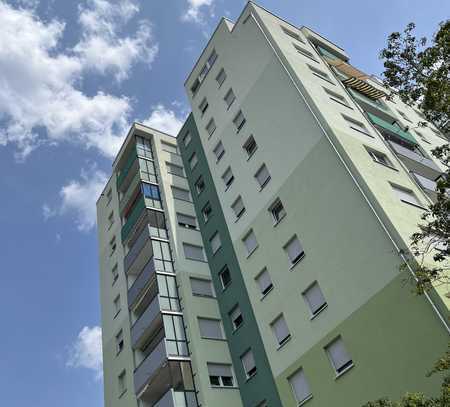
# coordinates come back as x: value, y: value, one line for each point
x: 248, y: 363
x: 236, y: 317
x: 115, y: 273
x: 277, y: 210
x: 219, y: 151
x: 250, y: 146
x: 238, y: 207
x: 200, y: 185
x: 169, y: 147
x: 294, y: 250
x: 336, y: 97
x: 229, y: 98
x: 201, y: 287
x: 203, y: 107
x: 112, y: 246
x: 406, y: 195
x: 117, y: 305
x: 207, y: 212
x: 250, y: 242
x: 215, y: 242
x: 280, y: 330
x: 338, y: 355
x: 193, y: 252
x: 210, y: 328
x: 300, y: 386
x: 186, y: 221
x: 380, y: 158
x: 314, y: 298
x: 239, y: 121
x: 220, y: 78
x: 220, y: 375
x: 225, y: 277
x: 193, y: 160
x: 211, y: 127
x: 228, y: 177
x: 187, y: 139
x: 175, y: 169
x: 357, y: 125
x: 108, y: 196
x: 122, y: 384
x: 264, y: 282
x: 292, y: 34
x: 262, y: 176
x: 305, y: 52
x: 119, y: 342
x: 319, y: 73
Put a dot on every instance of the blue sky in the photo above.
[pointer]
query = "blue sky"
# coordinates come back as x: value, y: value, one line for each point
x: 73, y: 76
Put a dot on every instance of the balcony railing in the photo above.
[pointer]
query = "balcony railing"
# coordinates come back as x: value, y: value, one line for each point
x: 146, y: 324
x: 126, y: 168
x: 177, y: 399
x: 392, y: 129
x: 141, y: 282
x: 131, y: 190
x: 133, y: 218
x: 136, y: 257
x: 416, y: 162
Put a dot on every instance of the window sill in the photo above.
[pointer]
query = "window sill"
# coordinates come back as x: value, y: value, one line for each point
x: 385, y: 165
x: 114, y: 281
x: 305, y: 400
x: 251, y: 377
x: 362, y: 132
x: 341, y: 103
x: 239, y: 216
x: 214, y: 339
x: 325, y: 79
x: 266, y: 294
x: 225, y: 387
x: 298, y: 261
x: 204, y: 296
x: 210, y: 135
x: 253, y: 251
x: 117, y: 313
x: 264, y: 184
x: 415, y: 205
x: 344, y: 371
x: 237, y: 329
x: 278, y: 221
x: 314, y: 316
x: 251, y: 155
x: 121, y: 394
x: 285, y: 341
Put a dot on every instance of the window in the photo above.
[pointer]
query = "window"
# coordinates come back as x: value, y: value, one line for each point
x: 262, y: 176
x: 108, y: 196
x: 112, y: 246
x: 336, y: 97
x: 207, y: 212
x: 338, y: 355
x: 119, y: 342
x: 292, y: 34
x: 228, y: 177
x: 210, y: 328
x: 225, y: 277
x: 357, y: 125
x: 403, y: 115
x: 187, y: 139
x: 202, y: 288
x: 220, y: 375
x: 280, y: 330
x: 193, y: 252
x: 221, y: 76
x: 180, y: 193
x: 175, y: 169
x: 238, y: 207
x: 152, y: 195
x: 294, y: 250
x: 122, y: 385
x: 211, y: 127
x: 250, y: 146
x: 115, y: 273
x: 193, y: 161
x: 186, y: 221
x: 215, y: 242
x: 406, y: 195
x: 110, y: 220
x: 236, y: 317
x: 300, y: 386
x: 229, y: 98
x: 117, y: 305
x: 264, y: 282
x: 422, y: 137
x: 203, y: 107
x: 319, y: 73
x: 380, y: 157
x: 277, y: 210
x: 239, y: 121
x: 248, y: 363
x: 250, y: 242
x: 314, y: 299
x: 305, y: 52
x: 219, y: 151
x: 200, y: 185
x: 170, y: 148
x: 203, y: 72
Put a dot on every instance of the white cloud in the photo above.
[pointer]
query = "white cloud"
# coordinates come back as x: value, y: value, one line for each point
x: 40, y: 99
x: 102, y: 49
x: 164, y: 119
x: 196, y: 10
x: 86, y: 351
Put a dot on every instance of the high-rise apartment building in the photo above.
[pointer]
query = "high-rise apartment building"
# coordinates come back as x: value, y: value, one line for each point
x: 254, y: 260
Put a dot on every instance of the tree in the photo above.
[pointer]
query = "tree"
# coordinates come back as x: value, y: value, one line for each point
x: 420, y: 74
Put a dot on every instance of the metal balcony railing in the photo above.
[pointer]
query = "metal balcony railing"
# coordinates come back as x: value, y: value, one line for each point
x: 141, y: 282
x: 135, y: 250
x: 133, y: 218
x: 129, y: 193
x: 392, y: 129
x: 147, y: 323
x: 126, y: 168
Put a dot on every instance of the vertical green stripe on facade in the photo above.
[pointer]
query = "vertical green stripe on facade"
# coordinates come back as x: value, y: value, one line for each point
x: 261, y: 386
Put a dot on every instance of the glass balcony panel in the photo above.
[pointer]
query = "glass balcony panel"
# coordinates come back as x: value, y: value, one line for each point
x: 141, y: 283
x: 392, y: 129
x: 130, y: 193
x: 133, y: 218
x: 140, y: 253
x: 147, y: 324
x: 130, y: 163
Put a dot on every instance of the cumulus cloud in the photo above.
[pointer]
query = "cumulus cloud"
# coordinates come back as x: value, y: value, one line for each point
x: 40, y: 98
x: 196, y: 10
x: 86, y: 351
x: 164, y: 119
x: 101, y: 48
x: 78, y: 199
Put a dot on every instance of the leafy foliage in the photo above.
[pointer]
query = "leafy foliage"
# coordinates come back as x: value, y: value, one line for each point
x: 420, y: 74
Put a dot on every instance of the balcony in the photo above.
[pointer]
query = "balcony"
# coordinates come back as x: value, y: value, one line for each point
x: 135, y: 215
x: 144, y: 279
x: 392, y: 130
x: 157, y: 374
x: 427, y: 185
x: 130, y: 193
x: 416, y: 163
x: 140, y: 253
x: 147, y: 324
x: 375, y: 107
x: 128, y: 170
x: 177, y: 399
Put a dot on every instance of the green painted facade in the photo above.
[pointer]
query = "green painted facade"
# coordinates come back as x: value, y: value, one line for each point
x: 261, y: 386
